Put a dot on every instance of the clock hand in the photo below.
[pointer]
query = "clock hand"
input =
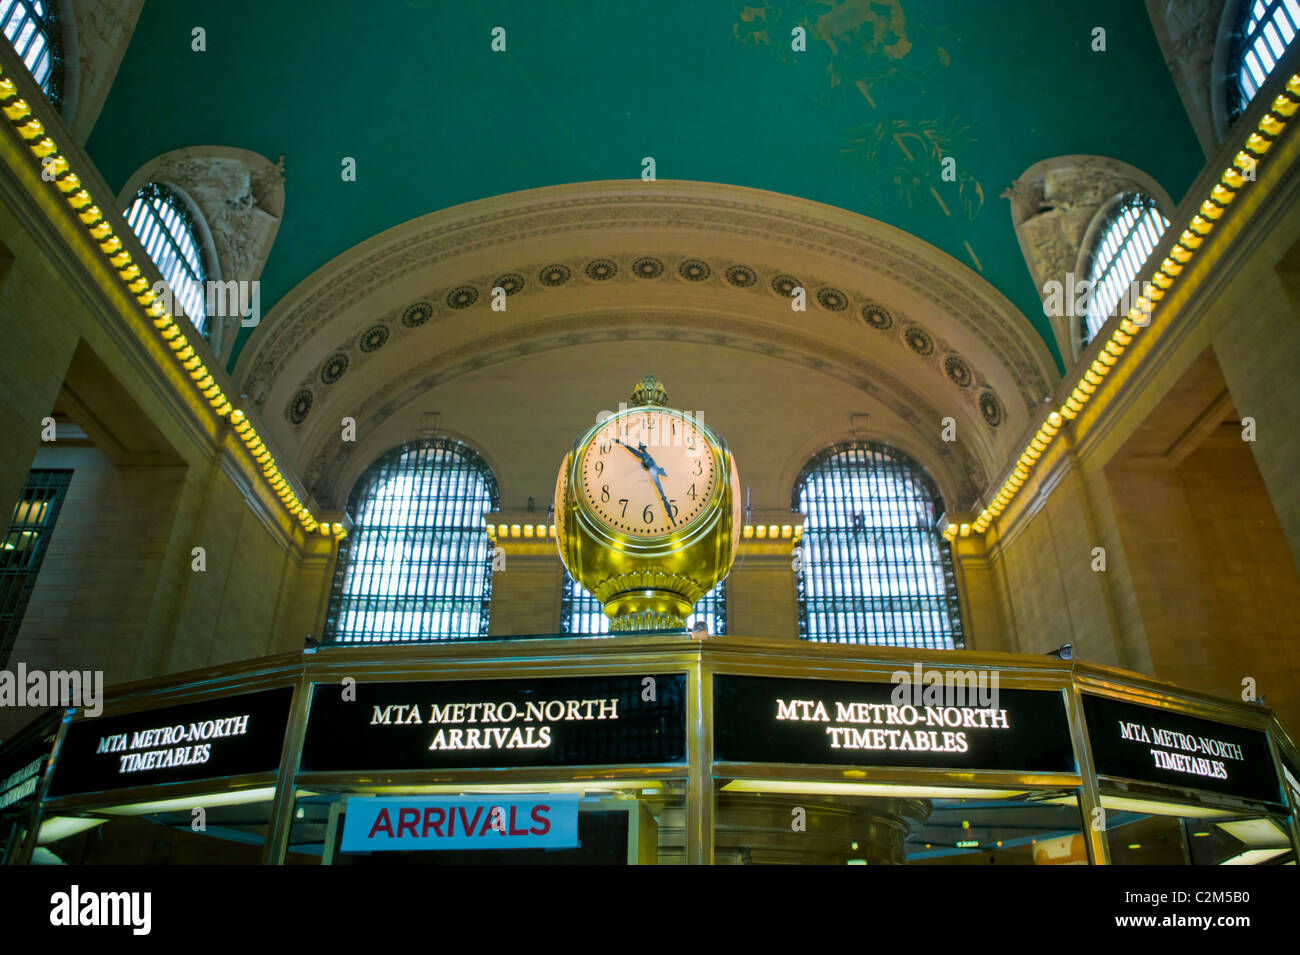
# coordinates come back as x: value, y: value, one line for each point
x: 641, y: 455
x: 668, y: 511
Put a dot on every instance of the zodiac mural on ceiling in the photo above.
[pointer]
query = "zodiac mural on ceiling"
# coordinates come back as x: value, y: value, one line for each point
x: 867, y: 47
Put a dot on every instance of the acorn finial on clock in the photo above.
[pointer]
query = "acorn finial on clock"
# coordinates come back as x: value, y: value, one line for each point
x: 650, y: 391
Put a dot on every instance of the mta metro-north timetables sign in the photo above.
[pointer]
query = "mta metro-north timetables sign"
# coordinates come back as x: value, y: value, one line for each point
x: 791, y: 720
x: 550, y: 721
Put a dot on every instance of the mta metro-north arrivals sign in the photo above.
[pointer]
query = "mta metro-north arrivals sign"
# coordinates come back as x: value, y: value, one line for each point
x: 228, y: 736
x: 555, y: 721
x: 1133, y: 741
x: 787, y: 720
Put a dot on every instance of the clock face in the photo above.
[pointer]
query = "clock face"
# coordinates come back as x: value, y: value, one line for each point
x: 647, y: 473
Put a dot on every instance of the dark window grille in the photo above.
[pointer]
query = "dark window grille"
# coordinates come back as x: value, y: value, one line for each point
x: 581, y: 613
x: 1125, y: 242
x: 33, y: 31
x: 163, y: 224
x: 24, y: 548
x: 1263, y: 34
x: 873, y: 566
x: 417, y: 566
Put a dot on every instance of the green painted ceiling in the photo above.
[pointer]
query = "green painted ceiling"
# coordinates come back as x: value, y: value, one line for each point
x: 711, y: 90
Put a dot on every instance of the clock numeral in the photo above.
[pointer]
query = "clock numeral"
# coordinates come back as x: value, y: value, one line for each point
x: 648, y: 515
x: 691, y: 492
x: 623, y: 501
x: 672, y: 502
x: 600, y: 467
x: 690, y: 441
x: 698, y: 468
x: 604, y: 493
x: 606, y: 447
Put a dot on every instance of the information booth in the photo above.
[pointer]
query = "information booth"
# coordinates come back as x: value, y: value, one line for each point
x: 654, y: 749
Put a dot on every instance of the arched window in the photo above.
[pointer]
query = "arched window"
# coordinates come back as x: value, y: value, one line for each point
x: 873, y: 567
x: 1265, y: 30
x: 580, y: 612
x: 162, y: 222
x: 418, y: 564
x: 1123, y: 244
x: 33, y: 32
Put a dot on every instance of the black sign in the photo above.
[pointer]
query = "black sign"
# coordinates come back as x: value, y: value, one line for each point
x: 781, y: 720
x: 579, y: 721
x: 1132, y: 741
x: 229, y: 736
x: 21, y: 767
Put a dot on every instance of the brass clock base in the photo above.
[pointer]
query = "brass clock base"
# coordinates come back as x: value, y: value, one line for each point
x: 647, y: 610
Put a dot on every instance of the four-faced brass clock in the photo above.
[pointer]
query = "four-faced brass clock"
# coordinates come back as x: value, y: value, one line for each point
x: 647, y: 510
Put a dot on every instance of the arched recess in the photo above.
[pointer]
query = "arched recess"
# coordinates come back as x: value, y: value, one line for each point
x: 239, y: 198
x: 95, y: 37
x: 603, y: 282
x: 1057, y: 205
x: 1193, y: 36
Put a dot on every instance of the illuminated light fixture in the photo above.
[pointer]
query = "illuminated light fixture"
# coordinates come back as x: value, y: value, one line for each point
x: 1070, y: 413
x: 1180, y: 255
x: 1231, y: 178
x: 1258, y: 144
x: 1114, y: 347
x: 121, y: 260
x: 760, y: 530
x: 798, y: 531
x: 541, y: 530
x: 1221, y: 195
x: 90, y: 215
x: 1054, y: 418
x: 528, y: 530
x: 79, y: 200
x: 18, y: 109
x: 515, y: 530
x: 101, y: 231
x: 551, y: 530
x: 747, y: 531
x: 864, y: 789
x: 1271, y: 125
x: 787, y: 530
x: 337, y: 528
x: 129, y: 273
x: 773, y: 530
x: 31, y: 129
x: 110, y: 245
x: 964, y: 530
x: 1118, y: 336
x: 1189, y: 240
x: 1200, y: 225
x: 1284, y: 106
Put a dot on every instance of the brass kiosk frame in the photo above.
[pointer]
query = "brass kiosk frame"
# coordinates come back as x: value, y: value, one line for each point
x: 631, y: 655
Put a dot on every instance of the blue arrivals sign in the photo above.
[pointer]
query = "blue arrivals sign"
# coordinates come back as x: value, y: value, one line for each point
x: 424, y: 823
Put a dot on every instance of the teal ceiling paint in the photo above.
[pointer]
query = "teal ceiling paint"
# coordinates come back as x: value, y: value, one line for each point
x: 412, y: 90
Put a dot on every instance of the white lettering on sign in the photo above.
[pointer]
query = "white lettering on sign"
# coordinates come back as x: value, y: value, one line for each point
x: 1209, y: 764
x: 462, y: 725
x: 161, y: 749
x: 949, y: 722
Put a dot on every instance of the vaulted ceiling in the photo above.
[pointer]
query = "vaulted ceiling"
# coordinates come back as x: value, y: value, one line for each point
x: 862, y: 120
